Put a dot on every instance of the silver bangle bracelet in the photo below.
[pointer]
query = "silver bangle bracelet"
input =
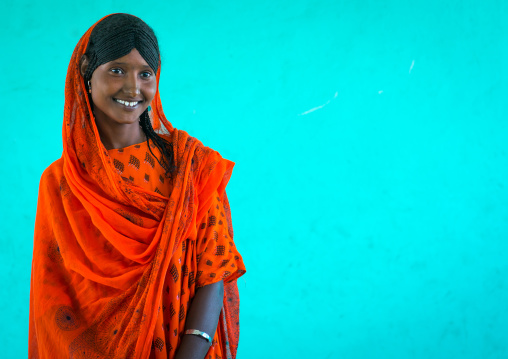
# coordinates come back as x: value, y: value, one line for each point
x: 199, y: 333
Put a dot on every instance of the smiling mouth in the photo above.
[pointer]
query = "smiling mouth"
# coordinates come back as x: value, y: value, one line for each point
x: 127, y: 103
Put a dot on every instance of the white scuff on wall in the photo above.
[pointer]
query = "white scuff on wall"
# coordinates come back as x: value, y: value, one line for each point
x: 321, y: 106
x: 411, y: 67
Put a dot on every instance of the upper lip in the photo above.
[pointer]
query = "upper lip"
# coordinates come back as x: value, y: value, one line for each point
x: 130, y: 100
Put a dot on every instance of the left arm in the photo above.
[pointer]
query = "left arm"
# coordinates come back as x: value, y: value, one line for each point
x: 203, y: 315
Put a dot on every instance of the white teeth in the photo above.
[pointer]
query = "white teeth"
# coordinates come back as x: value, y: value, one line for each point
x: 127, y: 103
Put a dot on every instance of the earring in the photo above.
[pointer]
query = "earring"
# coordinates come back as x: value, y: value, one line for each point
x: 89, y: 87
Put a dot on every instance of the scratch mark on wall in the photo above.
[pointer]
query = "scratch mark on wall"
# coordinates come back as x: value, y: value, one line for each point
x: 321, y: 106
x: 412, y: 64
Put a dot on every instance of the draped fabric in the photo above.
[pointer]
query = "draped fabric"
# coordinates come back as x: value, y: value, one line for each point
x: 116, y: 264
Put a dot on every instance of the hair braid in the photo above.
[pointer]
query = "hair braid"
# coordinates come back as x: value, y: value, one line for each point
x: 165, y: 147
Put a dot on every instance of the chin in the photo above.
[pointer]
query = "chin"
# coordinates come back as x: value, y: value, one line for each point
x: 120, y: 115
x: 127, y: 118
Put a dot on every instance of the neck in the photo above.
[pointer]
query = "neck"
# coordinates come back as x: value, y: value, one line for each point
x: 120, y: 135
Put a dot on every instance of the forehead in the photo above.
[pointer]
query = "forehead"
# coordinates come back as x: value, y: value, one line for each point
x: 132, y: 59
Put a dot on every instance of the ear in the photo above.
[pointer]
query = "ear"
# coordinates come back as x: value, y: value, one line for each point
x: 83, y: 64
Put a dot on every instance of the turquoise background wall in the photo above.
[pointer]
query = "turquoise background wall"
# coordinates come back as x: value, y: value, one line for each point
x: 370, y: 194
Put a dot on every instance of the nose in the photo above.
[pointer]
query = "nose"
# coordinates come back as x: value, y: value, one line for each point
x: 131, y: 85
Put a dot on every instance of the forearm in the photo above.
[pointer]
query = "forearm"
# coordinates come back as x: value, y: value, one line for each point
x: 203, y: 315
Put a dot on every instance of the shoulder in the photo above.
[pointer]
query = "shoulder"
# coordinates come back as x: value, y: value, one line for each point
x: 52, y: 184
x: 204, y: 159
x: 52, y: 174
x: 189, y: 147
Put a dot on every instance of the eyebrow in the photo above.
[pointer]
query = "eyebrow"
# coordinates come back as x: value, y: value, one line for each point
x: 126, y: 64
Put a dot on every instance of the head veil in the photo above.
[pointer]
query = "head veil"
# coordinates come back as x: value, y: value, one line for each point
x: 102, y: 246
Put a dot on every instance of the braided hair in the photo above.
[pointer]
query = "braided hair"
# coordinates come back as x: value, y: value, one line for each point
x: 165, y: 147
x: 115, y: 36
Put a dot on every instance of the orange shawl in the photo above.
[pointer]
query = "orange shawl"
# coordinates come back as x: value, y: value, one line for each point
x: 111, y: 260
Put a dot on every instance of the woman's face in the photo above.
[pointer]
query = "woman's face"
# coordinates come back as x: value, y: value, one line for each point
x: 122, y: 89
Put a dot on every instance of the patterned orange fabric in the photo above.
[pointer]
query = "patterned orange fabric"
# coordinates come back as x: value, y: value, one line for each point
x: 137, y: 165
x: 115, y: 262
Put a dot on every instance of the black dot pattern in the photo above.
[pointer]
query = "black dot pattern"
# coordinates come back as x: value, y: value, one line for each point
x: 66, y: 319
x: 118, y: 165
x: 134, y: 161
x: 150, y: 160
x: 174, y: 272
x: 159, y: 344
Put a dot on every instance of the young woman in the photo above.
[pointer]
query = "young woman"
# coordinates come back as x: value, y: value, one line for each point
x: 133, y: 247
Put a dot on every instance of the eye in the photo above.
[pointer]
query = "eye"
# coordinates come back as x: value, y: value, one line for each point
x: 116, y: 70
x: 146, y: 74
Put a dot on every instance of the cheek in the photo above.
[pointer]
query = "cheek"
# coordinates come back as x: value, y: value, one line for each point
x: 150, y: 92
x: 100, y: 90
x: 96, y: 98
